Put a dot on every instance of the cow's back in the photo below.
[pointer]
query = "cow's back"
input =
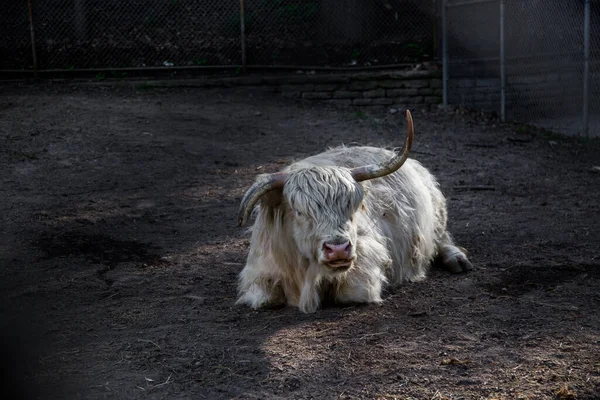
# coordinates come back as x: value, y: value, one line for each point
x: 348, y: 157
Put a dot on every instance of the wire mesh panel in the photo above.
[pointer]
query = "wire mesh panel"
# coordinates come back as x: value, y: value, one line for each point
x: 474, y: 31
x: 77, y: 34
x: 544, y: 63
x: 89, y: 34
x: 594, y: 62
x: 15, y: 43
x: 339, y: 33
x: 539, y: 44
x: 474, y: 49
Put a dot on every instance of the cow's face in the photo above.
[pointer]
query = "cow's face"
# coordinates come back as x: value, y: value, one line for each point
x: 323, y: 202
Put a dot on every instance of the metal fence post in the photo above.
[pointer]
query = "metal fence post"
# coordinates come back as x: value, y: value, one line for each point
x: 243, y: 34
x: 32, y: 36
x: 586, y: 69
x: 444, y: 53
x: 502, y: 66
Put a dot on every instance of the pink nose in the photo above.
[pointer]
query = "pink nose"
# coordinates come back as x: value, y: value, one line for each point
x: 337, y: 251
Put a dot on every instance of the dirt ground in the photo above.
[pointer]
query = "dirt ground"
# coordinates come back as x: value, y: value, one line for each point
x: 119, y: 254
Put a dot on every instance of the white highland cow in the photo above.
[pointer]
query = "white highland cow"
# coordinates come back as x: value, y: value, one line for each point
x: 341, y: 226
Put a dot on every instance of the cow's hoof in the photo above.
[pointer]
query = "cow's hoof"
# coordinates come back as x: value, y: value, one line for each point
x: 309, y: 301
x: 455, y: 260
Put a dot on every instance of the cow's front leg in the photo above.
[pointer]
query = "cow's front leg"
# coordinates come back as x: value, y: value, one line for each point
x: 310, y: 299
x: 258, y: 288
x: 360, y: 286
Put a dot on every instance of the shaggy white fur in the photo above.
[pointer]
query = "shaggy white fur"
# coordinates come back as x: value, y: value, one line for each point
x: 397, y: 225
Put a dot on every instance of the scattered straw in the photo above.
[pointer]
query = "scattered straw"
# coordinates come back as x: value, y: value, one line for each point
x: 565, y: 393
x: 148, y: 341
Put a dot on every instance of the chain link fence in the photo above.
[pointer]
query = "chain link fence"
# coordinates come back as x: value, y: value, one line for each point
x: 525, y: 60
x: 339, y: 33
x: 112, y: 34
x: 15, y: 39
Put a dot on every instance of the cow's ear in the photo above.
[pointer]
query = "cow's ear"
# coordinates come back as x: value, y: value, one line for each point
x: 273, y: 198
x: 271, y: 205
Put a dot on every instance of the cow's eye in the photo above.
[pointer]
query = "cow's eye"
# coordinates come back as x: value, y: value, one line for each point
x: 299, y: 214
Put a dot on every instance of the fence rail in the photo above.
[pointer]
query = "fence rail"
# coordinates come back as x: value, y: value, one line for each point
x: 66, y: 35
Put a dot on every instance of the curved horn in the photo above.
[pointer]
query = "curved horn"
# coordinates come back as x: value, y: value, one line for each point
x: 263, y: 184
x: 378, y: 170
